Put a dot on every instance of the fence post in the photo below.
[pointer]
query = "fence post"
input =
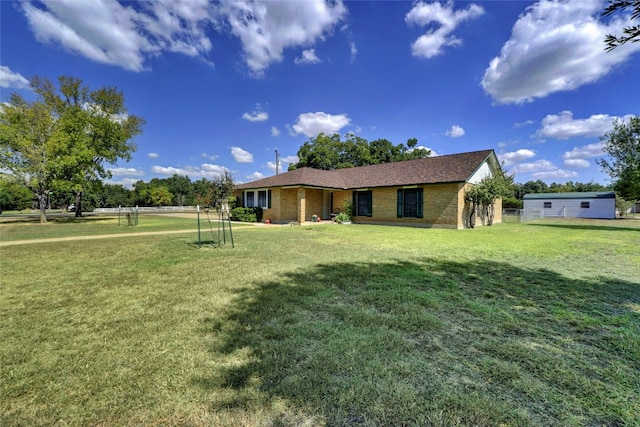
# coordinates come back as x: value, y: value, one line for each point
x: 199, y: 241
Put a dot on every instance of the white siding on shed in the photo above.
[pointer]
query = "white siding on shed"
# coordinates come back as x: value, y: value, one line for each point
x: 573, y: 207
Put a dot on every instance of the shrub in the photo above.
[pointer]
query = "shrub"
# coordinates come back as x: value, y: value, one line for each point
x: 247, y: 214
x: 342, y: 217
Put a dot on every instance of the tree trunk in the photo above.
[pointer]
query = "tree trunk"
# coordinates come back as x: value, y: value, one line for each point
x: 472, y: 216
x: 491, y: 211
x: 42, y: 205
x: 78, y: 204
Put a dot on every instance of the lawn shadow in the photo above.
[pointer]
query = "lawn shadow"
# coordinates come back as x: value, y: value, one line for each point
x: 55, y: 219
x: 429, y: 342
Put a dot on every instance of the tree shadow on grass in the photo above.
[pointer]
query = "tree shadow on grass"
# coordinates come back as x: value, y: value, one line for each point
x: 429, y: 342
x: 56, y: 219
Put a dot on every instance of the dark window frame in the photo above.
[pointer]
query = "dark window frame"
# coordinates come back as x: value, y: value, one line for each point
x: 363, y: 203
x: 405, y: 210
x: 547, y: 205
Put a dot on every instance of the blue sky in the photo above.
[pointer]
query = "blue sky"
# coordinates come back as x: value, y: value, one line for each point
x: 223, y: 85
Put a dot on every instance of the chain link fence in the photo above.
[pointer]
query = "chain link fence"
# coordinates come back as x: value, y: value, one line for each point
x: 520, y: 216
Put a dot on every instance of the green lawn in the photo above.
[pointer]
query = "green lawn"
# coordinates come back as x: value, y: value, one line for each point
x: 29, y: 227
x: 512, y: 325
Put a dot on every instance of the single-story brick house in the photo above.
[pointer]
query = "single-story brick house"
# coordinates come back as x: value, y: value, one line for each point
x: 588, y: 204
x: 424, y: 192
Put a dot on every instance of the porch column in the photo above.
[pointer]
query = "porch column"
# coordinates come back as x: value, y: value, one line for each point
x: 302, y: 204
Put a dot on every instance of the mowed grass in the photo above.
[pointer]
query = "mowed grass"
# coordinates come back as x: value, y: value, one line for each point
x: 66, y: 225
x: 512, y: 325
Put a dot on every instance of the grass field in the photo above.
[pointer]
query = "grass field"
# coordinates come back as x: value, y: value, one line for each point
x: 510, y: 325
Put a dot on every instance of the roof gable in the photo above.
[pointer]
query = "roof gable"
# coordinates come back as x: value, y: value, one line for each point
x: 431, y: 170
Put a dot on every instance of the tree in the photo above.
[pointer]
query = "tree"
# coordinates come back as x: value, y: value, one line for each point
x: 113, y: 196
x: 622, y: 144
x: 630, y: 33
x: 484, y: 195
x: 29, y: 146
x: 95, y: 127
x: 64, y: 139
x: 13, y: 195
x: 159, y: 196
x: 330, y: 152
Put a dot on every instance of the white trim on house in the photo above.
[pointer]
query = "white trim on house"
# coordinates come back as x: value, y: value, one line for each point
x: 482, y: 172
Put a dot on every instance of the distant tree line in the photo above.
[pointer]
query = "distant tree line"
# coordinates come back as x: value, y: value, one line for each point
x: 179, y: 190
x: 176, y: 190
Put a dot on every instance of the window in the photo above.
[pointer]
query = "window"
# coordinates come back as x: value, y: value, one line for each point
x: 547, y: 205
x: 584, y: 205
x: 260, y: 198
x: 363, y: 203
x: 410, y: 203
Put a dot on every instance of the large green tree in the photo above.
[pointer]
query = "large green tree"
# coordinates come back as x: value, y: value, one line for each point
x: 65, y: 138
x: 622, y: 144
x: 329, y: 152
x: 30, y: 148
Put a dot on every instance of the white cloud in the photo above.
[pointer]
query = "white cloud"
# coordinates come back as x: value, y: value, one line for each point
x: 577, y: 163
x: 433, y: 41
x: 109, y: 32
x: 275, y: 131
x: 433, y: 152
x: 125, y: 182
x: 554, y: 174
x: 254, y: 176
x: 576, y: 158
x: 308, y: 57
x: 209, y: 156
x: 585, y: 151
x: 537, y: 166
x: 126, y: 172
x: 289, y: 159
x: 256, y: 116
x: 525, y: 123
x: 563, y: 125
x: 265, y: 29
x: 241, y: 156
x: 517, y: 156
x: 354, y: 50
x: 152, y: 155
x: 554, y: 46
x: 205, y: 170
x: 543, y: 169
x: 284, y: 163
x: 11, y: 79
x: 455, y: 131
x: 312, y: 124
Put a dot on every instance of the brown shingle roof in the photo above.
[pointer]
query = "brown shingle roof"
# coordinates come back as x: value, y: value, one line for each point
x: 449, y: 168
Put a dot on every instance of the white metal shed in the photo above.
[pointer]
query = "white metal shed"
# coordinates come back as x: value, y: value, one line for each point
x: 594, y: 204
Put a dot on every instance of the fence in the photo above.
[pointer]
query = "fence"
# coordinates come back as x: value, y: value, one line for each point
x: 148, y: 209
x: 521, y: 215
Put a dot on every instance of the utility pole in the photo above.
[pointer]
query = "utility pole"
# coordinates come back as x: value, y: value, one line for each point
x: 277, y: 162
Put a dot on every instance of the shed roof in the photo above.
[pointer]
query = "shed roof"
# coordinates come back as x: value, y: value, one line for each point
x: 575, y: 195
x: 431, y: 170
